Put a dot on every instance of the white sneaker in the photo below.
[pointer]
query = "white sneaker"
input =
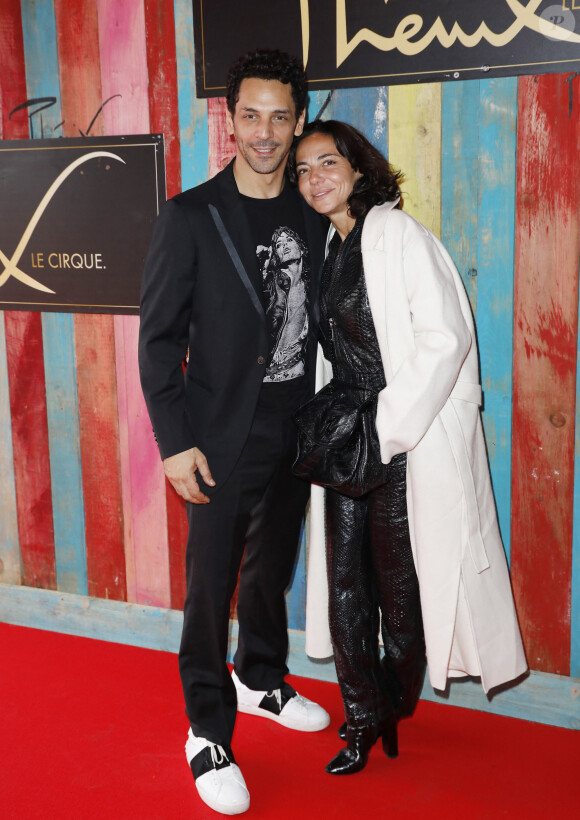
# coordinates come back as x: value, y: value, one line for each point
x: 284, y: 705
x: 218, y: 778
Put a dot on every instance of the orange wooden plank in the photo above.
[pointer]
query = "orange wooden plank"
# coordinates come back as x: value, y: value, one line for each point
x: 77, y: 35
x: 80, y: 83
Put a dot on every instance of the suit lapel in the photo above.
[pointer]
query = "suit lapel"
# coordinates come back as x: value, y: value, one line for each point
x: 234, y: 230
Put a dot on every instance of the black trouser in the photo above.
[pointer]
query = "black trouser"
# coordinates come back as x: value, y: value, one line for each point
x: 260, y: 509
x: 371, y: 572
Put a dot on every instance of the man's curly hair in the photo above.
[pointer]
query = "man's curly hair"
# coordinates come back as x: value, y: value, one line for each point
x: 267, y: 64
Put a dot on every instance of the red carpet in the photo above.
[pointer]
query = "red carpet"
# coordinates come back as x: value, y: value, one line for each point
x: 96, y: 730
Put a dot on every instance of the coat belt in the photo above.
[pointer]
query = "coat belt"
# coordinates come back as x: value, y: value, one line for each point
x: 464, y: 391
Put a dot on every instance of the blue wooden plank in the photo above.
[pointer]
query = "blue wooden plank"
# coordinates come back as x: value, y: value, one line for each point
x: 543, y: 698
x: 65, y: 452
x: 40, y: 54
x: 42, y: 80
x: 193, y: 130
x: 495, y: 289
x: 316, y: 103
x: 575, y: 591
x: 364, y: 108
x: 10, y: 560
x: 460, y: 177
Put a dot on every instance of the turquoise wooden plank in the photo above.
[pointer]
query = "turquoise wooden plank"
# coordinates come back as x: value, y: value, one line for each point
x: 193, y: 130
x: 99, y: 618
x: 459, y: 178
x: 296, y: 595
x: 542, y: 698
x: 550, y: 699
x: 575, y: 592
x: 42, y: 80
x: 495, y: 288
x: 40, y: 53
x: 62, y: 409
x: 316, y: 101
x: 10, y: 562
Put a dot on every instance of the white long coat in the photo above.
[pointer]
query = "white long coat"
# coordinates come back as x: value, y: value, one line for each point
x: 430, y: 410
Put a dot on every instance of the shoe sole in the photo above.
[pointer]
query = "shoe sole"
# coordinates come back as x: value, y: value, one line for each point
x: 213, y: 804
x: 250, y: 709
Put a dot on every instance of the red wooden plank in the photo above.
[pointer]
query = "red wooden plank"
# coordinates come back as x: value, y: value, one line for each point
x: 164, y: 118
x: 177, y: 530
x: 80, y: 83
x: 30, y: 443
x: 222, y: 147
x: 162, y: 69
x: 12, y: 75
x: 545, y: 343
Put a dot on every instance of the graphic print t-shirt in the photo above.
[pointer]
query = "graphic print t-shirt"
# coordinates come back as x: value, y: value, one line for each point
x: 278, y: 233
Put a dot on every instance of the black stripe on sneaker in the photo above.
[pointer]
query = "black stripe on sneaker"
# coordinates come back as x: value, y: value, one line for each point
x: 270, y: 701
x: 203, y: 761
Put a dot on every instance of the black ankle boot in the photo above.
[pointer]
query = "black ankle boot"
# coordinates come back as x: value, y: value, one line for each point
x: 342, y: 731
x: 354, y: 757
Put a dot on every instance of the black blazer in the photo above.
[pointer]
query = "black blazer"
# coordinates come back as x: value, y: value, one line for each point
x: 201, y: 291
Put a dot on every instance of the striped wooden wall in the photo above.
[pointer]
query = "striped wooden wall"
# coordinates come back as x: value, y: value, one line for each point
x: 491, y: 166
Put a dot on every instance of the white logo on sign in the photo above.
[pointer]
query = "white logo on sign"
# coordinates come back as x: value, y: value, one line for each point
x: 11, y: 265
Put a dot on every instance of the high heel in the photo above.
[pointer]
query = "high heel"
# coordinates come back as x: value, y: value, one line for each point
x: 356, y: 754
x: 390, y: 739
x: 389, y: 736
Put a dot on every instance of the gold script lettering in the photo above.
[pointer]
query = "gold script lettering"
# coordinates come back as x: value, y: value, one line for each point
x: 305, y: 19
x: 411, y: 25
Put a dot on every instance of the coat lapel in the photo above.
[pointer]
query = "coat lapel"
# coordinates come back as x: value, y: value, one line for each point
x: 375, y: 267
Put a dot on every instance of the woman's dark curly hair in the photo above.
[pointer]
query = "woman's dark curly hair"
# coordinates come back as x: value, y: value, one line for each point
x: 267, y: 64
x: 379, y: 182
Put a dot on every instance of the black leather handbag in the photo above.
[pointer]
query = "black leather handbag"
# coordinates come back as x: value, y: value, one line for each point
x: 338, y: 446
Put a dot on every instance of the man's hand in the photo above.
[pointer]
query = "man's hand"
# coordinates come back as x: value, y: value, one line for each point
x: 180, y: 470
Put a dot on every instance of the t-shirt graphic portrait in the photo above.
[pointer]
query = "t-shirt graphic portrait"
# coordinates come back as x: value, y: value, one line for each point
x: 282, y: 258
x: 284, y: 266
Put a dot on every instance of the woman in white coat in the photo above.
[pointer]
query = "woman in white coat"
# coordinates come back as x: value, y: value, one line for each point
x: 435, y: 513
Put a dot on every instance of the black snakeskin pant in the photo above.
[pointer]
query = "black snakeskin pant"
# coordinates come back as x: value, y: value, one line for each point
x: 372, y: 578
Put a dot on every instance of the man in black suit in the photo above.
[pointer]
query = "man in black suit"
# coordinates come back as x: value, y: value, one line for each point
x: 231, y: 281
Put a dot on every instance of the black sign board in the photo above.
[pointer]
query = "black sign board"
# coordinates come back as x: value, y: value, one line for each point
x: 346, y: 43
x: 77, y: 218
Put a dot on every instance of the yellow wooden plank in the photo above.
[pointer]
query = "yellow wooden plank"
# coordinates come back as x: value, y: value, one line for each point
x: 415, y: 148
